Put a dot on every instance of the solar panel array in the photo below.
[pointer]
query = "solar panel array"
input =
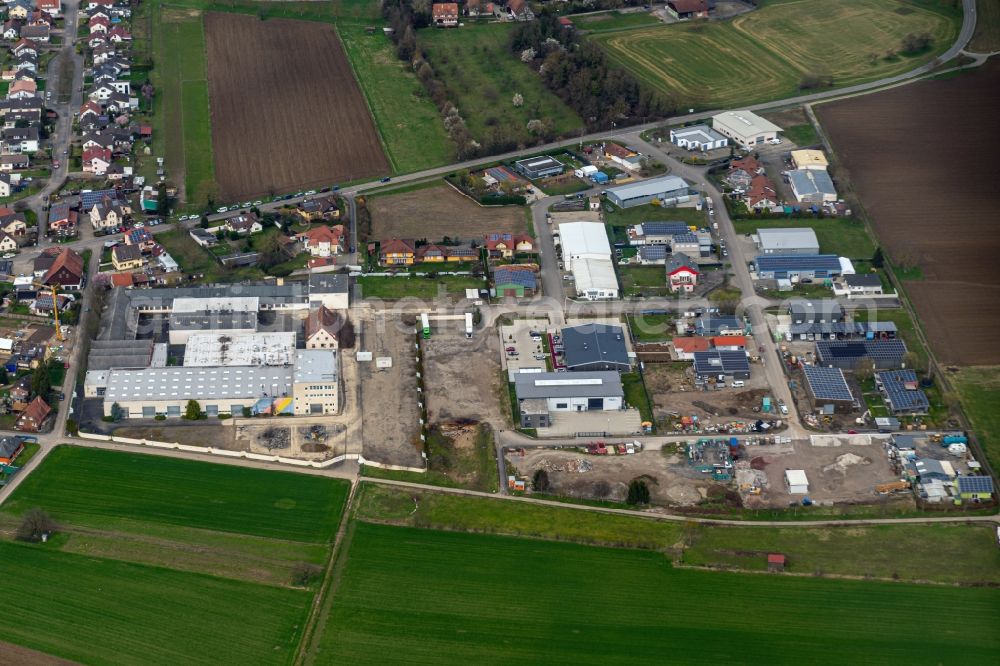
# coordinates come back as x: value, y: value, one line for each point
x: 886, y: 353
x: 716, y: 362
x: 900, y: 398
x: 664, y: 228
x: 828, y: 383
x: 767, y: 263
x: 90, y: 199
x: 653, y: 252
x: 975, y: 484
x: 519, y: 277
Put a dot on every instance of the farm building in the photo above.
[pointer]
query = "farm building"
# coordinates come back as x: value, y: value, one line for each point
x: 809, y: 159
x: 682, y: 273
x: 974, y: 488
x: 786, y: 240
x: 514, y: 281
x: 820, y: 311
x: 848, y: 354
x: 798, y: 266
x: 745, y: 128
x: 539, y: 393
x: 697, y: 137
x: 656, y: 233
x: 812, y: 186
x: 688, y: 9
x: 593, y: 347
x: 668, y: 190
x: 718, y: 325
x: 902, y: 392
x: 828, y: 389
x: 716, y: 363
x: 539, y: 167
x: 796, y: 482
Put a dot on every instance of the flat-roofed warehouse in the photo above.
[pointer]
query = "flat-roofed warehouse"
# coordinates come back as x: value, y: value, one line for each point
x: 539, y: 167
x: 828, y: 389
x: 107, y: 354
x: 219, y: 390
x: 544, y: 392
x: 669, y: 190
x: 745, y: 127
x: 185, y: 324
x: 786, y: 240
x: 213, y: 348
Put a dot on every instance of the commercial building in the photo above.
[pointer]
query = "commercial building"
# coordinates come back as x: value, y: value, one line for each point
x: 710, y: 325
x: 718, y: 363
x: 656, y: 233
x: 809, y: 159
x: 330, y: 290
x: 221, y: 322
x: 315, y: 382
x: 668, y: 190
x: 593, y: 347
x: 595, y: 279
x: 828, y: 389
x: 882, y: 354
x: 797, y: 266
x: 786, y: 240
x: 819, y: 311
x: 796, y: 482
x: 539, y: 393
x: 587, y: 254
x: 219, y: 349
x: 539, y: 167
x: 812, y: 186
x: 745, y: 128
x: 698, y: 137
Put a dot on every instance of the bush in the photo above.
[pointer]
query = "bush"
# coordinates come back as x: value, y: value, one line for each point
x: 223, y: 417
x: 160, y: 417
x: 638, y: 492
x: 71, y: 427
x: 915, y: 43
x: 304, y: 573
x: 540, y: 482
x: 247, y: 413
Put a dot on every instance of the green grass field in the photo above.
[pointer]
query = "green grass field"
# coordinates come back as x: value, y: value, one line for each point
x: 979, y: 391
x: 477, y: 66
x: 410, y: 125
x: 614, y: 21
x: 576, y: 604
x: 95, y: 488
x: 643, y: 280
x: 702, y: 65
x: 394, y: 288
x: 987, y: 36
x: 181, y: 111
x: 844, y: 236
x: 102, y: 611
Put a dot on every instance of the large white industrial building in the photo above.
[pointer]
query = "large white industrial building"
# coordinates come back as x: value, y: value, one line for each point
x: 587, y: 254
x: 668, y: 190
x: 214, y: 348
x: 745, y: 128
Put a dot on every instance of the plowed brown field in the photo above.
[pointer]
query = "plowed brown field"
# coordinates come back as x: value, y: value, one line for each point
x: 923, y: 160
x: 287, y: 112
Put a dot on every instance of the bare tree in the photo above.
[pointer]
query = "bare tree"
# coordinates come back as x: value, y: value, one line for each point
x: 35, y: 525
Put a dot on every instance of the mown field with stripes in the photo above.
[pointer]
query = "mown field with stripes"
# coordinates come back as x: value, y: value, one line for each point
x: 765, y: 54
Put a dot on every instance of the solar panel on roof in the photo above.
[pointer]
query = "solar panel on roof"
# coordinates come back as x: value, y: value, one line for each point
x: 90, y: 199
x: 664, y: 228
x: 901, y: 398
x: 716, y: 361
x: 774, y: 262
x: 975, y: 484
x: 828, y: 383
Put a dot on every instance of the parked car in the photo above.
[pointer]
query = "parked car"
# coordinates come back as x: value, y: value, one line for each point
x: 385, y: 180
x: 221, y: 209
x: 511, y: 349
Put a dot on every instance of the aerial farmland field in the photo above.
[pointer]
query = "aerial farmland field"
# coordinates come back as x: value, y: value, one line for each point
x: 287, y: 113
x: 453, y: 598
x: 763, y: 55
x: 159, y: 560
x: 930, y: 197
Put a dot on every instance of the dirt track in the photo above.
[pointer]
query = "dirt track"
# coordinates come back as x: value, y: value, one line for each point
x: 287, y: 111
x: 922, y: 158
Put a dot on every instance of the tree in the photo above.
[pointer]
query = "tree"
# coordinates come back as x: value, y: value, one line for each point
x: 4, y: 377
x: 911, y: 360
x: 863, y: 370
x: 917, y: 42
x: 72, y: 428
x: 116, y: 412
x: 162, y: 204
x: 477, y: 316
x: 638, y: 492
x: 878, y: 259
x: 540, y: 481
x: 35, y: 525
x: 193, y: 410
x: 41, y: 383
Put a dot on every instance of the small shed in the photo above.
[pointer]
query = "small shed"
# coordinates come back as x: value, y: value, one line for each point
x: 775, y: 562
x: 796, y: 482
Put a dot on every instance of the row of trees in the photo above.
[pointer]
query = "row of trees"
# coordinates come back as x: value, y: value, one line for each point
x: 580, y: 73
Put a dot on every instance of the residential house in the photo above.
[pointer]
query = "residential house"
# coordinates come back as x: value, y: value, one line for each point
x: 38, y: 33
x: 762, y: 196
x: 66, y: 270
x: 712, y: 325
x: 126, y: 257
x: 397, y: 252
x: 107, y: 213
x: 203, y: 237
x: 6, y: 185
x: 858, y: 285
x: 506, y: 245
x: 322, y: 328
x: 729, y: 342
x: 11, y: 29
x: 10, y: 449
x: 516, y: 10
x: 42, y: 305
x: 22, y: 89
x: 652, y: 254
x: 444, y: 14
x: 313, y: 210
x: 12, y: 222
x: 19, y: 9
x: 62, y: 219
x: 24, y: 47
x: 684, y: 348
x: 97, y: 140
x: 51, y: 7
x: 14, y: 162
x: 433, y: 253
x: 741, y: 172
x: 323, y: 241
x: 682, y: 273
x: 20, y: 139
x: 34, y: 415
x: 7, y: 243
x: 96, y: 160
x: 246, y: 223
x: 118, y: 34
x: 656, y: 233
x: 623, y: 157
x: 20, y: 392
x: 476, y: 8
x: 90, y: 110
x: 901, y: 391
x: 141, y: 238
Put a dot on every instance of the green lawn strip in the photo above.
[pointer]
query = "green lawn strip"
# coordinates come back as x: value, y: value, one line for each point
x: 307, y: 10
x: 635, y: 394
x: 407, y: 120
x: 392, y: 288
x: 30, y: 451
x: 199, y: 169
x: 979, y: 391
x: 614, y: 21
x: 801, y: 135
x: 94, y: 487
x: 479, y: 69
x: 643, y: 280
x: 391, y: 573
x: 101, y: 611
x: 843, y: 236
x: 940, y: 553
